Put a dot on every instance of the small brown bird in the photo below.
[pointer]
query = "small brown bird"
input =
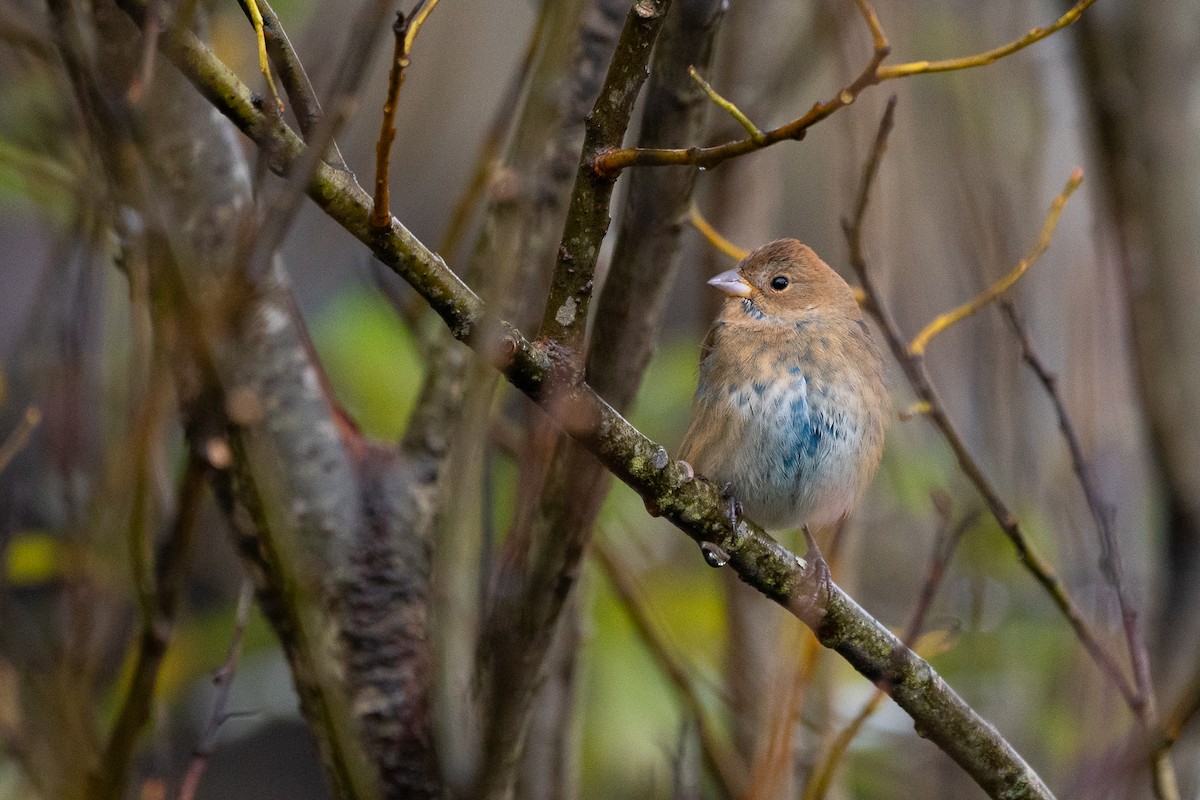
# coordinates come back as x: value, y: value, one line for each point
x: 790, y: 408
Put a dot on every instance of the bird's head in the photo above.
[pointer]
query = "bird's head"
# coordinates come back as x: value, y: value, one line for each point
x: 785, y: 279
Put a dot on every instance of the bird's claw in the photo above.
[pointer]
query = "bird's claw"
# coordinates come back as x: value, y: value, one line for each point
x: 734, y: 509
x: 688, y: 472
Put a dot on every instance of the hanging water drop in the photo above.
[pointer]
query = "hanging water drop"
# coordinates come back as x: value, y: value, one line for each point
x: 714, y: 556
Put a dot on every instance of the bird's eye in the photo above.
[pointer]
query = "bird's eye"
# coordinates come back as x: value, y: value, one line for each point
x: 779, y: 283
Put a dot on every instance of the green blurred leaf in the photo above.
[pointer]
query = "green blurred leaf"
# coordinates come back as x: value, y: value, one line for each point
x: 371, y: 360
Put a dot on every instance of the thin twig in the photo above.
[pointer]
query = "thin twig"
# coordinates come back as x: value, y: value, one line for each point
x: 405, y: 29
x: 988, y: 57
x: 990, y: 294
x: 874, y: 73
x: 729, y: 774
x: 223, y: 680
x: 756, y: 134
x: 296, y: 85
x: 159, y: 596
x: 714, y: 236
x: 943, y: 550
x: 137, y: 89
x: 1111, y: 563
x: 18, y: 437
x: 264, y: 63
x: 918, y: 378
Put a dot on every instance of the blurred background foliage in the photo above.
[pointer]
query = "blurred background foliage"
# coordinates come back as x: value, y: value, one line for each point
x: 972, y: 165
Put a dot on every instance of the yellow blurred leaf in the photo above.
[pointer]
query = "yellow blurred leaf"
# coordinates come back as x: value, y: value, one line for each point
x: 934, y: 643
x: 33, y: 557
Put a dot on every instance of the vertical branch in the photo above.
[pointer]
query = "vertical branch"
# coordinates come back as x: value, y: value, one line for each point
x: 405, y: 29
x: 223, y: 680
x: 913, y: 365
x: 541, y: 558
x: 565, y: 319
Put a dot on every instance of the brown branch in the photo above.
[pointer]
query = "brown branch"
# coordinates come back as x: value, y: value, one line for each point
x: 613, y: 162
x: 721, y: 761
x: 933, y: 408
x: 694, y: 505
x: 564, y: 322
x: 223, y: 680
x: 405, y: 30
x: 1111, y: 563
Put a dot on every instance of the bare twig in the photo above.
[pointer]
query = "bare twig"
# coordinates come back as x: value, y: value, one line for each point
x: 714, y: 237
x: 989, y: 56
x: 223, y: 680
x: 160, y: 602
x: 934, y: 410
x: 756, y: 134
x: 1111, y: 564
x: 18, y: 437
x: 145, y: 74
x: 405, y: 30
x: 943, y: 550
x: 990, y: 294
x: 729, y: 774
x: 264, y: 64
x: 874, y: 73
x: 296, y: 84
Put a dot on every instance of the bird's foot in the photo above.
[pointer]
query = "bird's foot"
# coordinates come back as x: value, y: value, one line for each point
x: 688, y: 472
x: 734, y: 509
x: 817, y: 577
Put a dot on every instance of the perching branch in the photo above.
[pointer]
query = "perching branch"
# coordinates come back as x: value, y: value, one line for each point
x: 695, y: 506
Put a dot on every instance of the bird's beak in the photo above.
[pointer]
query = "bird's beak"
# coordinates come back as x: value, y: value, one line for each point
x: 731, y: 283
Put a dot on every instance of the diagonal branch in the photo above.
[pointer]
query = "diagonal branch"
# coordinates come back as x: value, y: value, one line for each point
x: 993, y: 292
x: 932, y: 406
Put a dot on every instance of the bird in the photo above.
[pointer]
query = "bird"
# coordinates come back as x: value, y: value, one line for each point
x: 789, y: 413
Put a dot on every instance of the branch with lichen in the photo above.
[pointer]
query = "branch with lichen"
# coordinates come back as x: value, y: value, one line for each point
x: 872, y: 74
x: 564, y: 322
x: 694, y: 505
